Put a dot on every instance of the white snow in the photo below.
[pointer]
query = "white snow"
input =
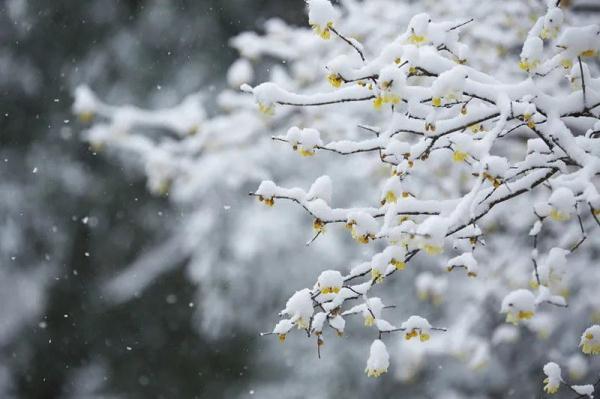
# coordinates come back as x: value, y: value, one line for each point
x: 379, y: 359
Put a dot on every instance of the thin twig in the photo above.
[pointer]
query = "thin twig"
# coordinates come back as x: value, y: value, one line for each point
x: 354, y: 46
x: 460, y: 25
x: 582, y: 83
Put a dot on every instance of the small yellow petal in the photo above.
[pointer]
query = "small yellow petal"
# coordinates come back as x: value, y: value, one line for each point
x: 589, y: 53
x: 459, y: 156
x: 377, y: 103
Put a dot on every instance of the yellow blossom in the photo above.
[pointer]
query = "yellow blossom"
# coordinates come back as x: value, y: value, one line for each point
x: 363, y: 239
x: 589, y: 53
x: 423, y: 336
x: 386, y: 99
x: 376, y: 275
x: 268, y: 110
x: 589, y: 346
x: 323, y: 32
x: 559, y: 216
x: 335, y: 80
x: 306, y: 152
x: 377, y: 103
x: 476, y: 128
x: 266, y: 201
x: 330, y: 290
x: 527, y: 65
x: 416, y: 39
x: 392, y: 99
x: 534, y: 284
x: 301, y: 324
x: 550, y: 388
x: 494, y: 180
x: 319, y: 226
x: 436, y: 101
x: 431, y: 249
x: 530, y: 123
x: 459, y: 156
x: 514, y: 318
x: 399, y: 265
x: 390, y: 196
x: 567, y: 63
x: 375, y: 372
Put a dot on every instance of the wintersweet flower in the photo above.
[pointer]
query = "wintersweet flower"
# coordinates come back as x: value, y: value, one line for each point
x: 553, y: 378
x: 370, y: 310
x: 266, y: 109
x: 476, y: 128
x: 566, y: 63
x: 416, y: 326
x: 392, y: 190
x: 379, y: 264
x: 398, y: 264
x: 531, y: 54
x: 321, y: 17
x: 380, y: 100
x: 448, y: 86
x: 395, y: 256
x: 416, y: 39
x: 324, y: 32
x: 309, y: 140
x: 518, y: 305
x: 562, y: 202
x: 266, y: 192
x: 431, y: 233
x: 552, y: 23
x: 319, y: 226
x: 282, y: 328
x: 363, y: 227
x: 467, y: 261
x: 330, y: 282
x: 335, y: 80
x: 590, y: 340
x: 528, y: 65
x: 379, y: 359
x: 300, y: 308
x: 85, y: 104
x: 418, y: 29
x: 459, y: 156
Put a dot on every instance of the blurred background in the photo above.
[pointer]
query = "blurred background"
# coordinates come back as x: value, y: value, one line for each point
x: 70, y: 219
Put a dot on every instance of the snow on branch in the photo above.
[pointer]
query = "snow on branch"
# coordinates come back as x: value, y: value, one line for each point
x: 431, y: 104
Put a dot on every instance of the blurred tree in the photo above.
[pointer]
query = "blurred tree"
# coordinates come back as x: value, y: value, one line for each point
x: 69, y: 221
